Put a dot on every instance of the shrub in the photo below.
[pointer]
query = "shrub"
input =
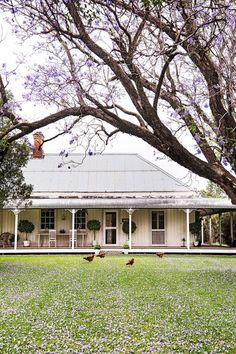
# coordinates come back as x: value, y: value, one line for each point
x: 97, y: 246
x: 195, y: 228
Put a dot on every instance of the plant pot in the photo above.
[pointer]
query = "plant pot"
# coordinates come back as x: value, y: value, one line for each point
x: 125, y: 251
x: 26, y: 243
x: 96, y: 251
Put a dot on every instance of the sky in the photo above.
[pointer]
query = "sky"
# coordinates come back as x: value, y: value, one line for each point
x: 123, y: 143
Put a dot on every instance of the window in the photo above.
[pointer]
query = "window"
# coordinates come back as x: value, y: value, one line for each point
x: 158, y: 221
x: 47, y: 219
x: 80, y: 220
x: 158, y: 227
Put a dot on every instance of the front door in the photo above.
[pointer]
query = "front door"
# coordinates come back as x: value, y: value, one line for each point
x: 158, y: 227
x: 110, y: 227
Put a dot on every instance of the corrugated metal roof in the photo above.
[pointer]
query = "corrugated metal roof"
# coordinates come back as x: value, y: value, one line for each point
x: 100, y: 173
x: 135, y: 203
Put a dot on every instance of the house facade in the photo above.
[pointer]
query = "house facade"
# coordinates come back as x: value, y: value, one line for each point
x: 113, y: 189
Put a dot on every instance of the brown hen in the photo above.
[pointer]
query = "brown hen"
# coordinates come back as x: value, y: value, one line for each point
x: 130, y: 261
x: 101, y: 254
x: 89, y: 258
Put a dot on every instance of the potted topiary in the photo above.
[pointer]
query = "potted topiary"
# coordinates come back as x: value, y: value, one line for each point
x: 94, y: 225
x: 97, y: 248
x: 126, y: 248
x: 27, y: 227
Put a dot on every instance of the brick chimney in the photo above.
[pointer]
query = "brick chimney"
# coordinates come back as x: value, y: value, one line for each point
x: 38, y: 142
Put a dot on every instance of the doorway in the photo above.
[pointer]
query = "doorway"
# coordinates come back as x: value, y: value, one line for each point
x: 111, y: 227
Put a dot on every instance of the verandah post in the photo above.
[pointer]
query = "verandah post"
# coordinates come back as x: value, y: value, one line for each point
x: 16, y: 213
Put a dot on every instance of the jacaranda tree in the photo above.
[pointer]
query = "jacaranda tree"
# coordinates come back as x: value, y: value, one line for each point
x: 163, y: 71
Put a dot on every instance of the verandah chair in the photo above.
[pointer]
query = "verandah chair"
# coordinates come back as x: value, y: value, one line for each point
x: 52, y: 238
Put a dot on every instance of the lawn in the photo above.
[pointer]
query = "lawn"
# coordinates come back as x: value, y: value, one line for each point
x: 62, y: 304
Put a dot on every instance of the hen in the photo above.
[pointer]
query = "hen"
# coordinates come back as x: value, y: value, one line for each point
x: 130, y: 262
x: 101, y: 254
x: 160, y: 254
x: 89, y: 258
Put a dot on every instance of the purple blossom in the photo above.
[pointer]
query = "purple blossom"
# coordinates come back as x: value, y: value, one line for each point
x: 231, y: 20
x: 198, y: 151
x: 221, y: 142
x: 186, y: 111
x: 219, y: 40
x: 225, y: 161
x: 89, y: 63
x: 190, y: 40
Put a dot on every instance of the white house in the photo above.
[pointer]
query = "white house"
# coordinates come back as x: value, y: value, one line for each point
x: 110, y: 188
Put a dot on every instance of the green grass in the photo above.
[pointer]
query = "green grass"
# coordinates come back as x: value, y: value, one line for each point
x: 62, y: 304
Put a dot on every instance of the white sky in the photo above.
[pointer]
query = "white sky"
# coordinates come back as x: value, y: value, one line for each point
x: 124, y: 143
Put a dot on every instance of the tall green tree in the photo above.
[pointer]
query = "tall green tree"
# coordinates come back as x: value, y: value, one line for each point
x: 13, y: 157
x: 163, y: 71
x: 12, y: 185
x: 212, y: 190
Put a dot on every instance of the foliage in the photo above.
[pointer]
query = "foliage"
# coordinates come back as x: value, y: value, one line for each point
x: 12, y: 184
x: 97, y: 246
x: 25, y: 226
x: 125, y: 246
x: 225, y: 228
x: 163, y: 71
x: 213, y: 191
x: 125, y: 227
x: 13, y: 157
x: 12, y: 238
x: 195, y: 228
x: 105, y: 307
x: 216, y: 220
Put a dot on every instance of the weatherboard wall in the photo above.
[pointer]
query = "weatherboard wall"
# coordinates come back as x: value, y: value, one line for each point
x: 175, y: 225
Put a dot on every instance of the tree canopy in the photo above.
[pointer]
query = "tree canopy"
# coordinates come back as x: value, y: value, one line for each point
x: 13, y: 188
x: 13, y: 157
x: 163, y: 71
x: 212, y: 190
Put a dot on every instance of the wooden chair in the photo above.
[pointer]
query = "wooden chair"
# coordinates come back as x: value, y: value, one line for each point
x: 75, y: 238
x: 52, y: 238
